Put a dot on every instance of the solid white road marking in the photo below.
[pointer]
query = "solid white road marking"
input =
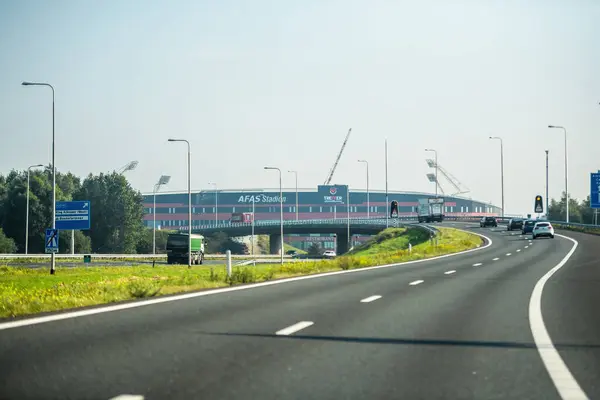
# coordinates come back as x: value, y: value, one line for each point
x: 495, y: 259
x: 416, y: 282
x: 477, y: 264
x: 526, y: 247
x: 370, y: 299
x: 518, y: 250
x: 450, y: 272
x: 294, y: 328
x: 128, y: 397
x: 143, y: 303
x: 565, y: 383
x: 508, y: 254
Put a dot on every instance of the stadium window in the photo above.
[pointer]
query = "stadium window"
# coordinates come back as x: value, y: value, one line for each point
x: 310, y: 209
x: 320, y: 209
x: 203, y: 210
x: 467, y: 207
x: 462, y: 209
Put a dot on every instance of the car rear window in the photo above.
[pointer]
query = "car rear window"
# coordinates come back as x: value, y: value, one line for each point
x: 543, y: 224
x: 489, y: 218
x: 529, y: 222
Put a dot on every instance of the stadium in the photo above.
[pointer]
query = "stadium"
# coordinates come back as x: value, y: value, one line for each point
x: 326, y: 202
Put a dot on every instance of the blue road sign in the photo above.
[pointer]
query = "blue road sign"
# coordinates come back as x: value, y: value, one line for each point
x: 73, y: 215
x: 51, y: 241
x: 595, y: 190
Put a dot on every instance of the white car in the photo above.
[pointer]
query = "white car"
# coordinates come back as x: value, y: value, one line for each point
x: 542, y: 229
x: 329, y: 254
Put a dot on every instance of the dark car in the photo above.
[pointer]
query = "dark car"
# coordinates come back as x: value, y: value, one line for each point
x: 514, y: 223
x: 528, y: 226
x: 488, y: 221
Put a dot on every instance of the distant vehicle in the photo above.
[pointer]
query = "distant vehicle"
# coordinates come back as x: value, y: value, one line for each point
x: 177, y: 248
x: 329, y: 254
x: 514, y: 223
x: 488, y: 221
x: 245, y: 217
x: 430, y: 210
x: 528, y: 226
x: 542, y: 229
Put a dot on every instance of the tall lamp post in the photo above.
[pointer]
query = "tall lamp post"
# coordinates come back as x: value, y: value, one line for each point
x: 189, y: 172
x: 27, y: 211
x: 296, y: 174
x: 216, y: 203
x: 501, y: 168
x: 163, y: 180
x: 280, y: 210
x: 436, y: 170
x: 547, y: 200
x: 566, y: 170
x: 387, y: 201
x: 52, y: 257
x: 368, y: 200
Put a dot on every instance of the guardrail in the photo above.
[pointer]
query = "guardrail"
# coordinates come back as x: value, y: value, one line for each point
x: 133, y: 256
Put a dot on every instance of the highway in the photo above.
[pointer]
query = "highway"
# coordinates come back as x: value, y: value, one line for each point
x: 458, y: 327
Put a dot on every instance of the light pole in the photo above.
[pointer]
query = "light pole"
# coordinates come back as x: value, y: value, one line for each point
x: 189, y: 201
x: 436, y: 170
x: 280, y: 210
x: 566, y: 170
x: 52, y: 258
x: 368, y: 201
x: 501, y: 169
x: 296, y: 173
x: 387, y: 201
x: 547, y: 201
x: 163, y: 180
x: 27, y: 212
x: 253, y: 215
x: 216, y: 203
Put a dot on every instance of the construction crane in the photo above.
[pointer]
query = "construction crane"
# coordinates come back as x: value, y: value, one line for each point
x: 337, y: 160
x: 460, y: 188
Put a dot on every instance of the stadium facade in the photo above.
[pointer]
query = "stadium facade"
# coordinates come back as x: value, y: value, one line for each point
x: 326, y: 202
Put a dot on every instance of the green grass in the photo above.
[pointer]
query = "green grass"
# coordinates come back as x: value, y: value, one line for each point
x: 288, y: 247
x: 29, y: 291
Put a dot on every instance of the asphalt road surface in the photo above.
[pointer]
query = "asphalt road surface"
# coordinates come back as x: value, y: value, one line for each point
x: 459, y: 327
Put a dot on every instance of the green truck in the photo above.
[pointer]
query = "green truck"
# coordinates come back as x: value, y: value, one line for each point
x: 177, y: 248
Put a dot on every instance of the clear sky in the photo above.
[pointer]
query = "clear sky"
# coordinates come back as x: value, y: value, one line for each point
x: 255, y: 83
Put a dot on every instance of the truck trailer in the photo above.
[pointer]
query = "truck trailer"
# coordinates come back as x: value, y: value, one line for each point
x: 430, y: 210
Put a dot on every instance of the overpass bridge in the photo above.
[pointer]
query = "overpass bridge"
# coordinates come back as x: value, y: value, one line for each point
x: 342, y: 228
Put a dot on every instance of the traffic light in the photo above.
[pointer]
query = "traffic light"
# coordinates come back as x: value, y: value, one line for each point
x: 394, y: 208
x: 539, y: 204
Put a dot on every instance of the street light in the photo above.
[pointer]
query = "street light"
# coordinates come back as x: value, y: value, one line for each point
x: 163, y: 180
x: 189, y: 201
x: 368, y: 201
x: 387, y: 201
x: 27, y: 212
x: 216, y: 203
x: 501, y: 168
x: 436, y: 170
x: 296, y: 173
x: 547, y: 200
x: 566, y: 170
x: 280, y: 210
x: 52, y: 257
x: 130, y: 166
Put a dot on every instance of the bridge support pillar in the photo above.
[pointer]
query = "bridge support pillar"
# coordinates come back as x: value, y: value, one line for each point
x: 275, y: 243
x: 341, y: 243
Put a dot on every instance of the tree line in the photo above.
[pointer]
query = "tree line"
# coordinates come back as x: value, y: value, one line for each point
x: 116, y: 215
x: 579, y: 211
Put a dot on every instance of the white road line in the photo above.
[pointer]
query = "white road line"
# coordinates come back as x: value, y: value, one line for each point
x: 450, y: 272
x: 526, y: 247
x: 370, y: 299
x: 565, y: 383
x: 508, y: 254
x: 416, y: 282
x: 518, y: 250
x: 185, y: 296
x: 477, y: 264
x: 128, y: 397
x: 294, y: 328
x: 495, y: 259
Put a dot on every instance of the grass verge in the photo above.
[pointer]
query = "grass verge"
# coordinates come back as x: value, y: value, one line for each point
x: 26, y: 291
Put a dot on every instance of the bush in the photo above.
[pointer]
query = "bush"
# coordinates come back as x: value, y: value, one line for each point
x: 140, y: 290
x: 242, y: 275
x: 7, y: 245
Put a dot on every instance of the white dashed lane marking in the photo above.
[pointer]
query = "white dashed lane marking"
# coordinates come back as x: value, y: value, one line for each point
x: 370, y: 299
x: 294, y: 328
x: 495, y: 259
x: 416, y: 282
x: 450, y: 272
x: 477, y: 264
x: 508, y: 254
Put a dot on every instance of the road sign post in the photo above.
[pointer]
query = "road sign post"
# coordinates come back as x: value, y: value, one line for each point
x: 595, y: 189
x: 73, y: 215
x: 539, y: 204
x: 51, y: 240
